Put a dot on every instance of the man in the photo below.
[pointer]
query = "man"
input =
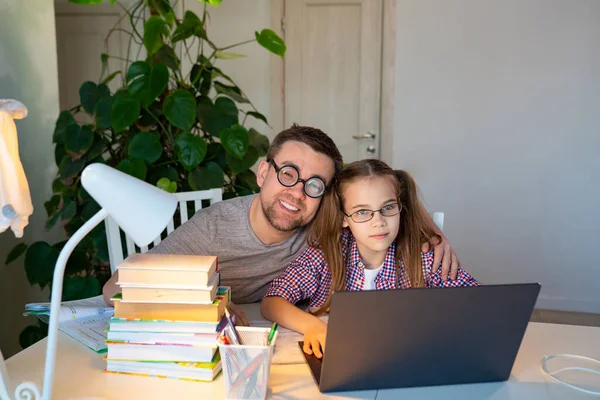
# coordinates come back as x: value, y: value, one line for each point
x: 255, y: 237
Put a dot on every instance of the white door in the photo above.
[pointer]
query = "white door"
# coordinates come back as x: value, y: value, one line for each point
x: 333, y: 71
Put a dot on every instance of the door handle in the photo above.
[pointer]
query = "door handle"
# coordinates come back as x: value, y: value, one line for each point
x: 366, y: 136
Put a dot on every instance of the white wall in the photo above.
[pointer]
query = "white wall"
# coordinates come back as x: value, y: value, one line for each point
x: 498, y: 117
x: 232, y: 22
x: 28, y: 73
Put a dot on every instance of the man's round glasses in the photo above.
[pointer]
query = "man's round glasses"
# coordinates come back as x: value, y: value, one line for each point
x: 366, y: 215
x: 289, y: 176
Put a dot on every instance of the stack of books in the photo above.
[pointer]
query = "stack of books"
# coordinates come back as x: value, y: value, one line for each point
x: 167, y: 317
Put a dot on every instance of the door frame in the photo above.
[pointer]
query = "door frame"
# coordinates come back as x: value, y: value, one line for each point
x: 388, y: 77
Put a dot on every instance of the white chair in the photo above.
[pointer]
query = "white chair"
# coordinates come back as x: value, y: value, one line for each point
x: 116, y: 251
x: 438, y: 219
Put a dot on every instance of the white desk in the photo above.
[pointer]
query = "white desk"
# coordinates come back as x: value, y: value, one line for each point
x: 79, y: 374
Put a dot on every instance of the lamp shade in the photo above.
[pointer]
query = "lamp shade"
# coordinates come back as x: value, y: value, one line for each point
x: 140, y: 209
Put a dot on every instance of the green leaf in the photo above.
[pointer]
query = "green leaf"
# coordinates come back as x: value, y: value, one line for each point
x: 224, y: 55
x: 216, y: 117
x: 180, y: 109
x: 98, y: 148
x: 232, y: 91
x: 137, y: 69
x: 80, y: 287
x: 145, y: 146
x: 101, y: 247
x: 33, y: 334
x: 190, y: 150
x: 147, y: 82
x: 104, y: 62
x: 70, y: 168
x: 89, y: 209
x: 52, y: 205
x: 166, y: 185
x: 90, y: 93
x: 15, y: 253
x: 78, y: 139
x: 235, y: 140
x: 110, y: 78
x: 195, y: 75
x: 229, y: 195
x: 156, y: 173
x: 164, y: 9
x: 52, y: 221
x: 216, y: 153
x: 153, y: 29
x: 216, y: 72
x: 40, y: 260
x: 59, y: 154
x: 58, y: 186
x: 190, y: 26
x: 134, y: 167
x: 166, y: 55
x: 125, y: 110
x: 78, y: 261
x: 87, y: 95
x: 83, y: 195
x: 212, y: 2
x: 205, y: 82
x: 247, y: 179
x: 247, y: 162
x: 260, y: 141
x: 65, y: 119
x: 69, y: 209
x: 206, y: 177
x: 257, y: 115
x: 271, y: 41
x: 73, y: 225
x: 103, y: 111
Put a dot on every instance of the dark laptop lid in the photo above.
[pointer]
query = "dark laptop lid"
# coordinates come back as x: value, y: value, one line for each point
x: 423, y: 337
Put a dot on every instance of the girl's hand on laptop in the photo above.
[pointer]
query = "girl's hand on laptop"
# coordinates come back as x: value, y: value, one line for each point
x: 240, y: 315
x: 314, y: 339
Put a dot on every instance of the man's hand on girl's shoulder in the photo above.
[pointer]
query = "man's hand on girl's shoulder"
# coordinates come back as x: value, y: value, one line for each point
x: 443, y: 254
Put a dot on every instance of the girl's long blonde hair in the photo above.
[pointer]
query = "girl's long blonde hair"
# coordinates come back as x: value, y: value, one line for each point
x: 415, y: 229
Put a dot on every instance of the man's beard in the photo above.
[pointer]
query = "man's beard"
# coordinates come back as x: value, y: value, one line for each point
x: 271, y: 214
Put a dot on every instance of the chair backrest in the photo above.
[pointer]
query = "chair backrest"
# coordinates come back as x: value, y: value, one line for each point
x: 438, y: 219
x: 118, y: 251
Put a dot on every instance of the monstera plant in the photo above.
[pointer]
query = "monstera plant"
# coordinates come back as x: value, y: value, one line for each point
x: 178, y: 129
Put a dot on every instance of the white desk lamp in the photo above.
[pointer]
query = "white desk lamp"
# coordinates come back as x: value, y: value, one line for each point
x: 140, y: 209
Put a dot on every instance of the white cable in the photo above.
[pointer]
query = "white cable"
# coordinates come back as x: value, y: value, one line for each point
x: 560, y: 381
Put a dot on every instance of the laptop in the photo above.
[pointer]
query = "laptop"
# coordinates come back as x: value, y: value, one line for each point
x: 423, y: 337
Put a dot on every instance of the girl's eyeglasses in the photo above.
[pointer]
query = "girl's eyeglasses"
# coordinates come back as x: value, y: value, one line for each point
x: 388, y: 210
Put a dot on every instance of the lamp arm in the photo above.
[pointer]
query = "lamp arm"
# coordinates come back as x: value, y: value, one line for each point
x: 28, y: 390
x: 57, y: 283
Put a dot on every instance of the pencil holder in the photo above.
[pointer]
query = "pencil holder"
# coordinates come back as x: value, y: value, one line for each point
x: 246, y: 367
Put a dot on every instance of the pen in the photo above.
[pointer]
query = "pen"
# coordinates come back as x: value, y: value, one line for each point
x: 272, y: 333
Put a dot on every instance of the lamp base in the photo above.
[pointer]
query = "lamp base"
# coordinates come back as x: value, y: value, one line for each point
x: 25, y: 390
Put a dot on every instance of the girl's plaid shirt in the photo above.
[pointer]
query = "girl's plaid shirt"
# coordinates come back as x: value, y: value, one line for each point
x: 309, y: 277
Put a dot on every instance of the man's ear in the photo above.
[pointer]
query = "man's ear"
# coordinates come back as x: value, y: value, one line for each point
x: 261, y: 176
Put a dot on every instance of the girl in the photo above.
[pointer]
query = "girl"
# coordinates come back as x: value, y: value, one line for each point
x: 367, y: 235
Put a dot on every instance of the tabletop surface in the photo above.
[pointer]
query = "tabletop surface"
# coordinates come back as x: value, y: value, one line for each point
x: 79, y: 373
